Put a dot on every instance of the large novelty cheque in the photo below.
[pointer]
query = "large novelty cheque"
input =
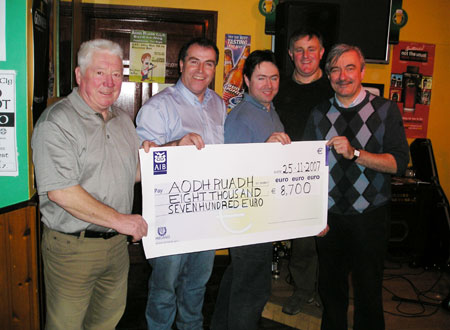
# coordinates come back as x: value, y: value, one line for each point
x: 232, y: 194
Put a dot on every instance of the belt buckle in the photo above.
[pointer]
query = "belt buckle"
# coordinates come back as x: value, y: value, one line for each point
x: 107, y: 234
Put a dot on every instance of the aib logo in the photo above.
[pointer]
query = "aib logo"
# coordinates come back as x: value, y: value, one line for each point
x: 159, y: 162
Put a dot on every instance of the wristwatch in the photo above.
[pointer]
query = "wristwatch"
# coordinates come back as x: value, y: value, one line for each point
x: 355, y: 155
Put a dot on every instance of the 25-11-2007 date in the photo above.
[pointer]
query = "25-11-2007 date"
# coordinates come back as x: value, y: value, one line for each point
x: 301, y: 167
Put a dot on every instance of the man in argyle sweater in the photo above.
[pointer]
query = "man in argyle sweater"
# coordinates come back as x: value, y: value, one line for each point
x: 368, y: 145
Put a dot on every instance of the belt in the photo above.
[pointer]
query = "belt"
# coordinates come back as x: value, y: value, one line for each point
x: 95, y: 234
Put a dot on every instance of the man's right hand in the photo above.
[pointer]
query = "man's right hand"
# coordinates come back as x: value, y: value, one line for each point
x: 84, y: 206
x: 132, y: 225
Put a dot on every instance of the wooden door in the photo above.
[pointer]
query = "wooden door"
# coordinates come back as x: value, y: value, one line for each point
x: 116, y: 23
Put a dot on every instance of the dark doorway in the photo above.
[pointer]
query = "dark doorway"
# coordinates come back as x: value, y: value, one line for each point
x: 116, y: 23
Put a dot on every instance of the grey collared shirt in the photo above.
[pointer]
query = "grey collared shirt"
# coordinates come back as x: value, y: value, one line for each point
x: 73, y: 145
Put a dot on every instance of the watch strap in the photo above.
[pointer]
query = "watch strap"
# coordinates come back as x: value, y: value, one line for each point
x: 356, y: 154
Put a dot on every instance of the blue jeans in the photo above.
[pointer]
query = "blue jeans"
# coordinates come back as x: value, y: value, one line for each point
x: 244, y: 289
x: 178, y: 281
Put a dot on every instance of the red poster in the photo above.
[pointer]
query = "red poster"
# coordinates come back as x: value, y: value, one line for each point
x: 411, y: 83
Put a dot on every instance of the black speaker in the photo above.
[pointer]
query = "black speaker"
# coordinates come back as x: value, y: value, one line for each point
x: 423, y: 161
x: 410, y: 213
x: 438, y: 222
x: 323, y: 17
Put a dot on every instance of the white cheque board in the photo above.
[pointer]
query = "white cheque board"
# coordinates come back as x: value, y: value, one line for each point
x: 232, y: 194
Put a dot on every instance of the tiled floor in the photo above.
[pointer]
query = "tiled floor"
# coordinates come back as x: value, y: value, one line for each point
x: 430, y: 285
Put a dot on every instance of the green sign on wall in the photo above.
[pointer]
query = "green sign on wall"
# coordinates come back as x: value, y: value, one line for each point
x: 14, y: 185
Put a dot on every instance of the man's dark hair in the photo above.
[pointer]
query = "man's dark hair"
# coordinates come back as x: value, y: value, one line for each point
x: 255, y: 58
x: 305, y: 32
x: 204, y: 42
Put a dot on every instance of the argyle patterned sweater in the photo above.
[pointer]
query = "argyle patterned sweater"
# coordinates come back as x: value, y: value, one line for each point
x: 374, y: 125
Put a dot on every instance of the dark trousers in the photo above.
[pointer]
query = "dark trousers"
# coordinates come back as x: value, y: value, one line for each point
x: 244, y: 289
x: 356, y: 244
x: 303, y: 266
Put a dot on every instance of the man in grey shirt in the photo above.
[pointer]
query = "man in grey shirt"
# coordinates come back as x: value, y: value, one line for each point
x: 85, y: 153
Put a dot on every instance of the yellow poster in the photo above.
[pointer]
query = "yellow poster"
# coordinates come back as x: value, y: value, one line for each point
x: 148, y: 56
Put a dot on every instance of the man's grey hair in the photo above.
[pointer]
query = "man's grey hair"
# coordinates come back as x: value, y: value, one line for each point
x: 88, y: 48
x: 337, y: 51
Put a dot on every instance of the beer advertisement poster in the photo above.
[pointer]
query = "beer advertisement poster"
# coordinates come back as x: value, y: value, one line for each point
x: 237, y: 49
x: 411, y: 85
x: 148, y: 56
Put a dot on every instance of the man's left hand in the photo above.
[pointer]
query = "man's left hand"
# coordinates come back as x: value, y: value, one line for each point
x: 281, y: 137
x: 148, y: 144
x: 323, y: 232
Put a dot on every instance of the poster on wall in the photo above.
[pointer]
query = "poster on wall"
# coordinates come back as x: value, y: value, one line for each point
x: 237, y: 49
x: 411, y: 85
x: 8, y: 142
x: 148, y: 56
x: 2, y: 31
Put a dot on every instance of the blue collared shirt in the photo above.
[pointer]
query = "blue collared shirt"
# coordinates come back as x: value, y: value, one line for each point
x: 176, y: 111
x: 250, y: 122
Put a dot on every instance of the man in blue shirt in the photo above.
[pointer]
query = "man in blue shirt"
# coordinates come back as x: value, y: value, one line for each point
x: 188, y: 113
x: 246, y: 284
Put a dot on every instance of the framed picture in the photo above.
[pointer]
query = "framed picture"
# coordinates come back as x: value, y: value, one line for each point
x: 376, y: 89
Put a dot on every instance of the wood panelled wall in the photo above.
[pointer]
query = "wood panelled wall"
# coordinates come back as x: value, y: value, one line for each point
x: 19, y: 268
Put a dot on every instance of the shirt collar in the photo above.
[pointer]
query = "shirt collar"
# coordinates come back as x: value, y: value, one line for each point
x: 361, y: 96
x: 191, y: 97
x: 252, y: 100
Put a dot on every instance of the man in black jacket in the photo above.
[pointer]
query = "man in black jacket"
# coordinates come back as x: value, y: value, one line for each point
x: 307, y: 87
